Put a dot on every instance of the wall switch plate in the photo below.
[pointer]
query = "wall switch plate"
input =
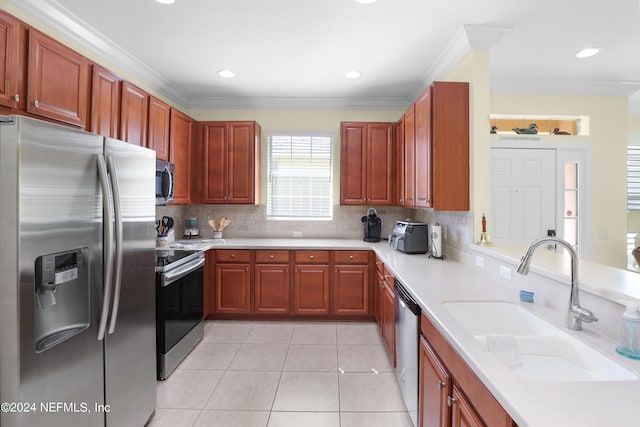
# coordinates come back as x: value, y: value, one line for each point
x: 297, y: 234
x: 480, y: 261
x: 505, y: 272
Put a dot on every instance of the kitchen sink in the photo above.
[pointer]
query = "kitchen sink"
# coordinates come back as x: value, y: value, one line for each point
x: 531, y: 347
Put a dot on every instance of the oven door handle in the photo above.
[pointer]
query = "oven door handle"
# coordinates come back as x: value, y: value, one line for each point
x: 169, y: 277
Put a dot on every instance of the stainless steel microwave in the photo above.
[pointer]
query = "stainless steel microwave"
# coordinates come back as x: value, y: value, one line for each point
x: 164, y: 182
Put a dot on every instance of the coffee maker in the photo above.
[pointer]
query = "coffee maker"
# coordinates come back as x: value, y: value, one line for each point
x: 372, y: 226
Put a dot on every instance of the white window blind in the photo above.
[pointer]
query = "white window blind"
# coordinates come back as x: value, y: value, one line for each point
x: 299, y: 176
x: 633, y: 177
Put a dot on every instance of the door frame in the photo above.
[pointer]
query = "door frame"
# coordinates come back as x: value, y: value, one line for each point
x: 566, y: 151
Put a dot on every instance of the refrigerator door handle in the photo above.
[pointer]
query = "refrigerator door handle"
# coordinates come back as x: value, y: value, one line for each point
x: 108, y: 245
x: 115, y: 188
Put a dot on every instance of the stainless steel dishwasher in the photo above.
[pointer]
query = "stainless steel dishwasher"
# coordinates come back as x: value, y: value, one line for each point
x: 407, y: 324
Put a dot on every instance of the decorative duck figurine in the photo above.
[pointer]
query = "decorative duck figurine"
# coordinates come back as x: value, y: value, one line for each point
x: 531, y: 130
x: 557, y: 131
x: 494, y: 129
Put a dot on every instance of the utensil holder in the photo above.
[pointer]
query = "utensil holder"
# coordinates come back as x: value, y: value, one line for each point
x: 217, y: 234
x: 162, y: 241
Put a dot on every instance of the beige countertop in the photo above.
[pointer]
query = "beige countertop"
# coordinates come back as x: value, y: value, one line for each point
x: 530, y: 403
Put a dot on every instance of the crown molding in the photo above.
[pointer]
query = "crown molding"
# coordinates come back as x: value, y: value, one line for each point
x: 64, y: 21
x: 289, y: 103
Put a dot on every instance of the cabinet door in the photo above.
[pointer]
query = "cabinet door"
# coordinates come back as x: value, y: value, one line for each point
x: 215, y: 162
x: 379, y: 290
x: 242, y: 163
x: 435, y: 388
x: 389, y: 322
x: 423, y: 149
x: 105, y: 102
x: 58, y: 81
x: 450, y: 146
x: 462, y: 413
x: 180, y: 144
x: 233, y: 288
x: 271, y: 288
x: 353, y: 164
x: 400, y: 161
x: 209, y: 283
x: 158, y: 132
x: 380, y: 167
x: 409, y: 158
x: 134, y: 112
x: 351, y: 289
x: 9, y: 46
x: 311, y: 289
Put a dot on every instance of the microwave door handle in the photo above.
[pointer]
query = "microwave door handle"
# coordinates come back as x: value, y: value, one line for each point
x: 108, y: 245
x: 167, y: 171
x: 115, y: 188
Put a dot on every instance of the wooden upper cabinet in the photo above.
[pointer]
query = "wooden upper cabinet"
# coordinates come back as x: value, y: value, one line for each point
x: 180, y: 148
x: 400, y: 152
x: 231, y: 162
x: 105, y: 102
x: 450, y: 145
x: 134, y: 111
x: 422, y: 109
x: 366, y: 163
x: 409, y: 158
x: 159, y: 125
x: 57, y: 81
x: 9, y: 69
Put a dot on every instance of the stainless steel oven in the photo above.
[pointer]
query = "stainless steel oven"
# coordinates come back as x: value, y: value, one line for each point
x: 180, y: 306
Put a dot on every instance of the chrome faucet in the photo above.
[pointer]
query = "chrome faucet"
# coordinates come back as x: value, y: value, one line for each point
x: 575, y: 314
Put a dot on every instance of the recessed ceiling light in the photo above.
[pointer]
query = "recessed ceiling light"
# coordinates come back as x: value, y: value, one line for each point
x: 590, y: 51
x: 226, y: 73
x: 353, y: 74
x: 365, y: 1
x: 166, y: 1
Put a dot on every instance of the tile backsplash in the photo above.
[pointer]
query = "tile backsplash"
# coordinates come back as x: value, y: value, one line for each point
x: 251, y: 221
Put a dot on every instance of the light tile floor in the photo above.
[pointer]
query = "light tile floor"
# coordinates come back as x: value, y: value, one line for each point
x: 283, y: 374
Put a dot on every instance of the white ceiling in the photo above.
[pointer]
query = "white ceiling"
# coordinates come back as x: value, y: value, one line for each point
x: 294, y: 53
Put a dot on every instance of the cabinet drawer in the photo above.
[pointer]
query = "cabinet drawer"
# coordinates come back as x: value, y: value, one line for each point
x: 265, y: 257
x: 388, y: 277
x: 312, y: 257
x: 229, y: 255
x: 351, y: 257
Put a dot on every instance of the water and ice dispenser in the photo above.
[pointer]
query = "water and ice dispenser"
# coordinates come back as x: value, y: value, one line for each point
x: 61, y: 300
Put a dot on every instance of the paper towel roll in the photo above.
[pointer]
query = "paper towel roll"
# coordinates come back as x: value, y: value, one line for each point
x: 436, y: 241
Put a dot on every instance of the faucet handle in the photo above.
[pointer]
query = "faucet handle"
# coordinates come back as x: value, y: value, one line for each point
x: 583, y: 314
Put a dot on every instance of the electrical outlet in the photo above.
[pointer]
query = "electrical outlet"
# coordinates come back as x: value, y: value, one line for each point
x: 505, y: 272
x: 480, y: 261
x: 297, y: 234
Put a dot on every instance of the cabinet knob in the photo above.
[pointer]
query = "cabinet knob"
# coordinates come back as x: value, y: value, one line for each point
x: 311, y: 257
x: 441, y: 385
x: 272, y: 256
x: 451, y: 401
x: 381, y: 284
x: 286, y: 270
x: 16, y: 97
x: 350, y: 256
x: 246, y: 269
x: 233, y: 255
x: 36, y: 103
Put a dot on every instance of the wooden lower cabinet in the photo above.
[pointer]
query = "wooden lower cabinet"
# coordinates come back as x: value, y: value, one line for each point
x: 311, y: 289
x: 389, y: 322
x: 462, y: 413
x: 435, y: 388
x: 233, y: 288
x: 271, y: 288
x: 351, y: 289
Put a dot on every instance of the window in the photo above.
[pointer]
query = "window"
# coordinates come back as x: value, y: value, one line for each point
x: 299, y: 172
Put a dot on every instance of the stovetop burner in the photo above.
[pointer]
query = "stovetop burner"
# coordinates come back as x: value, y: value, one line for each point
x: 166, y: 259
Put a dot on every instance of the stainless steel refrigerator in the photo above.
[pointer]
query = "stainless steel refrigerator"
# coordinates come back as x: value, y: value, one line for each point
x: 77, y: 280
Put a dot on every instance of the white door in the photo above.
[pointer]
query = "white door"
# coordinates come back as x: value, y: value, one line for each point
x: 523, y: 194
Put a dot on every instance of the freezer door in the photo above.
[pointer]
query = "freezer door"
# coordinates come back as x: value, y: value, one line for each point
x: 51, y: 235
x: 130, y: 341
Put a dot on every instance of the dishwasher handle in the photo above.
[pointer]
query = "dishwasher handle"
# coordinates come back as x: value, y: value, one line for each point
x: 405, y: 299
